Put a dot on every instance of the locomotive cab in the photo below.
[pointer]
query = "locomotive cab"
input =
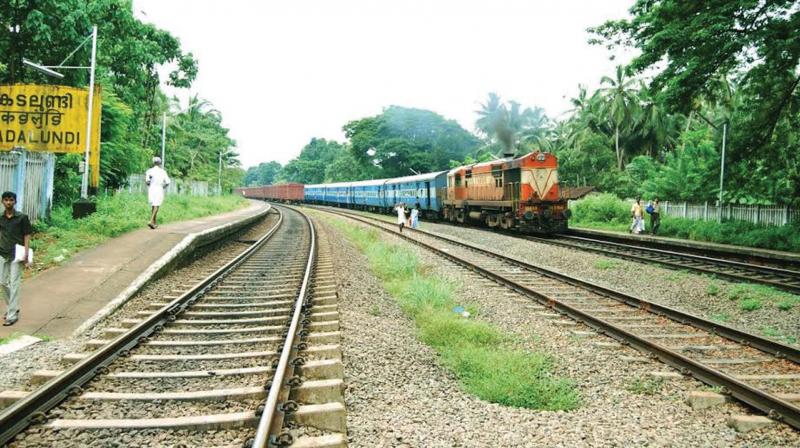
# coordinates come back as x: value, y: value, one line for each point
x: 521, y: 193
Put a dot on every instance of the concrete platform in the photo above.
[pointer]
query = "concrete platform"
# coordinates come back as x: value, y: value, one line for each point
x: 56, y: 302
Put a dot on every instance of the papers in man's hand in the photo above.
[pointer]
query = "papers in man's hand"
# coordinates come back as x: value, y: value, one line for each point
x: 19, y: 253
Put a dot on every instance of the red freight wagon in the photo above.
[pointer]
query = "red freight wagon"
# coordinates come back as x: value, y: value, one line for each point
x: 280, y: 192
x: 288, y: 192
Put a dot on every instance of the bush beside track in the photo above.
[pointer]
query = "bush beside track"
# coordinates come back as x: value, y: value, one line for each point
x: 486, y: 362
x: 608, y: 212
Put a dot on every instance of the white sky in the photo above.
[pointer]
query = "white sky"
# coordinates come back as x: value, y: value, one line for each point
x: 284, y: 72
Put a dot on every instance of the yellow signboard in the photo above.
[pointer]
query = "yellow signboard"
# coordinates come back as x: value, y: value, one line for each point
x: 50, y: 118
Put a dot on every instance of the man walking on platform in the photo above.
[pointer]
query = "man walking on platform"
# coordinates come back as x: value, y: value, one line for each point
x: 15, y: 237
x: 157, y: 180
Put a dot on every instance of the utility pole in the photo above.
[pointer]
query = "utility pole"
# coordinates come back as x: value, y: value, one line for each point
x: 163, y: 140
x: 722, y: 168
x: 219, y: 174
x: 88, y: 137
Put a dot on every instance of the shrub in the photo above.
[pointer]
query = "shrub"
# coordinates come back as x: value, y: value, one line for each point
x: 750, y: 304
x: 601, y: 209
x: 605, y: 264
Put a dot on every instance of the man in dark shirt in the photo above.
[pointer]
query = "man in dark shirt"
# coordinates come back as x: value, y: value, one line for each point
x: 15, y: 229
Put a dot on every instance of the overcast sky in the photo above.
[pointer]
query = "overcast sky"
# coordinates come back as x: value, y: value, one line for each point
x: 284, y: 72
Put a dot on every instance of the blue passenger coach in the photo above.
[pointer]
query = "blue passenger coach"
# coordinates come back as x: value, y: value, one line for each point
x: 426, y: 189
x: 366, y: 194
x: 314, y: 194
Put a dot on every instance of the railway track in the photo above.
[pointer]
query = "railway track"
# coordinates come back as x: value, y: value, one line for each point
x: 248, y: 356
x: 759, y: 372
x: 764, y: 271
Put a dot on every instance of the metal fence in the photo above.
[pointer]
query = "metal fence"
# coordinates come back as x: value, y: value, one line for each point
x: 768, y: 215
x: 29, y: 175
x: 177, y: 186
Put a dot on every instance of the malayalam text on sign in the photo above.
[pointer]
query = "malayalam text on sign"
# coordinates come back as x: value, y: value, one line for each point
x: 49, y: 118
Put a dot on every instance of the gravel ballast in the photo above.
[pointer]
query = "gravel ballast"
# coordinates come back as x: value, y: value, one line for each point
x: 398, y: 395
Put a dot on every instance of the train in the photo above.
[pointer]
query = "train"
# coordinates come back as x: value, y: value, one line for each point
x: 519, y: 193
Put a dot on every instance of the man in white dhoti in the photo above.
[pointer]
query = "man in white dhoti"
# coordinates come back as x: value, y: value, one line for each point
x: 157, y: 180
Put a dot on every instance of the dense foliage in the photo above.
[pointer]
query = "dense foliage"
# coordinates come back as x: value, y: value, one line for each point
x: 129, y: 55
x: 726, y: 62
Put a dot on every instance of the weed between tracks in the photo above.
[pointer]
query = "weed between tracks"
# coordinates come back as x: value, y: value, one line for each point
x: 480, y: 355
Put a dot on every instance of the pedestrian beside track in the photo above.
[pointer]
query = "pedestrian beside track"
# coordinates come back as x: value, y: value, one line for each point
x: 759, y: 372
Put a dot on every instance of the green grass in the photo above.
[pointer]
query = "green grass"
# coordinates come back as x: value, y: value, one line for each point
x: 606, y: 264
x: 721, y: 317
x: 646, y: 386
x: 486, y: 361
x: 751, y: 297
x: 17, y: 335
x: 11, y: 337
x: 712, y: 289
x: 54, y: 242
x: 608, y: 212
x: 788, y: 303
x: 750, y: 304
x: 676, y: 276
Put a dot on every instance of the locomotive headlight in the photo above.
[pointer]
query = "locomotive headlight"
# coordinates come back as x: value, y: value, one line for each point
x: 541, y: 157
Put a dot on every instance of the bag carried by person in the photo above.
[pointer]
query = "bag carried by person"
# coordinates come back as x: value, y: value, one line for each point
x: 650, y: 209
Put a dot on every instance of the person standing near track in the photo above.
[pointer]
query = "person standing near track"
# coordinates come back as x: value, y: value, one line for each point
x: 15, y: 238
x: 415, y: 217
x: 636, y: 213
x: 157, y: 180
x: 401, y: 215
x: 655, y: 216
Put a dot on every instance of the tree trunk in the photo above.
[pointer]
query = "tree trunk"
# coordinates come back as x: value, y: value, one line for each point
x: 688, y: 124
x: 616, y: 143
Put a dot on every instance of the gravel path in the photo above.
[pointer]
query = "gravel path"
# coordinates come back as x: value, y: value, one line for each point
x: 399, y: 396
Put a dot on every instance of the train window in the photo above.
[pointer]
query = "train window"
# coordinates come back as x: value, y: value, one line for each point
x: 469, y: 174
x: 458, y: 180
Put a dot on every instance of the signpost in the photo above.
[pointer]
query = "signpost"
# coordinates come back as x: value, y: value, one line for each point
x: 50, y: 118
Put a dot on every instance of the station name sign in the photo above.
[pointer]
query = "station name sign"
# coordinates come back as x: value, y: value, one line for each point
x: 49, y: 118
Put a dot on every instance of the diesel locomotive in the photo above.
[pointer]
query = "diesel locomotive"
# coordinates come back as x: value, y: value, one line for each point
x: 513, y: 193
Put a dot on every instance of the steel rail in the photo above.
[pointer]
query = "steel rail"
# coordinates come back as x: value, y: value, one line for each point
x: 773, y: 406
x: 756, y: 259
x: 32, y: 408
x: 764, y: 270
x: 271, y: 420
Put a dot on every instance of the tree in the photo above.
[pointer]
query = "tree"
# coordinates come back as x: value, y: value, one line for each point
x: 129, y: 56
x: 510, y: 125
x: 401, y: 140
x: 311, y: 165
x: 694, y: 45
x: 621, y: 105
x: 264, y: 174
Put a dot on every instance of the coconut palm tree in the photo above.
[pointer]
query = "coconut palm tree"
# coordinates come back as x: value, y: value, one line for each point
x: 621, y: 104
